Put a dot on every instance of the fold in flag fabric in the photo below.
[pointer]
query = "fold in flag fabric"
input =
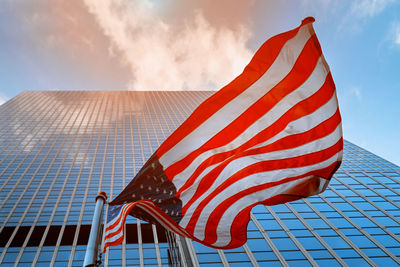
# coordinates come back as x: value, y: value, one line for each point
x: 270, y: 136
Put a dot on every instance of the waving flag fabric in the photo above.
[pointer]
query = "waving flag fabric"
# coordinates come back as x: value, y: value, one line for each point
x: 270, y: 136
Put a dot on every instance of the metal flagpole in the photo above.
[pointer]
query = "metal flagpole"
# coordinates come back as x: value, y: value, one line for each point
x: 95, y: 232
x: 187, y: 253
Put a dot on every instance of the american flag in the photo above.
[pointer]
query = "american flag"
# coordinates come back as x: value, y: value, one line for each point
x: 270, y: 136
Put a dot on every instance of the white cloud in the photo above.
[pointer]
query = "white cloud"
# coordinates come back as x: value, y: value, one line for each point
x: 369, y: 8
x: 352, y: 10
x: 356, y: 91
x: 397, y: 41
x: 350, y: 96
x: 391, y: 38
x: 396, y: 33
x: 3, y: 99
x: 162, y: 56
x: 359, y: 12
x: 320, y: 8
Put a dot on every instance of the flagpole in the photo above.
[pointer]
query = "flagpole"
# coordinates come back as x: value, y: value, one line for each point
x: 186, y: 252
x: 95, y: 232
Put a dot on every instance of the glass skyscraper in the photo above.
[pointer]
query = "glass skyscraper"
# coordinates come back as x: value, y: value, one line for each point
x: 59, y: 148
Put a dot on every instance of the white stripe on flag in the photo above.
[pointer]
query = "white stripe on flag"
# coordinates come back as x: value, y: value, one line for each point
x: 114, y: 238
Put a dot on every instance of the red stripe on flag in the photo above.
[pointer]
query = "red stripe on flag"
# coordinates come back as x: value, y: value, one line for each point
x: 114, y: 243
x: 238, y: 228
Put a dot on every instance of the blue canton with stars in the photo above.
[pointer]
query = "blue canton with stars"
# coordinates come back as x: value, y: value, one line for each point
x: 113, y: 212
x: 151, y: 183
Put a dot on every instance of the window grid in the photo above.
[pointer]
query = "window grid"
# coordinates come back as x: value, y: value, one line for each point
x: 317, y: 236
x: 22, y: 174
x: 79, y: 141
x: 58, y: 149
x: 57, y: 203
x: 341, y: 234
x: 31, y: 198
x: 19, y: 200
x: 292, y: 237
x: 41, y: 209
x: 27, y: 142
x: 85, y: 158
x: 13, y: 118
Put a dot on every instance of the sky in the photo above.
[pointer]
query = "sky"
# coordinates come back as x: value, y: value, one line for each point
x: 202, y: 45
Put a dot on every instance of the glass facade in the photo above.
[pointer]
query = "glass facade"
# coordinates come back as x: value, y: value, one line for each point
x: 59, y: 148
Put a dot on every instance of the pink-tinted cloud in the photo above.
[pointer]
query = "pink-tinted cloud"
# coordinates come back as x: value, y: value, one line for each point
x: 61, y: 43
x: 137, y: 44
x: 165, y: 55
